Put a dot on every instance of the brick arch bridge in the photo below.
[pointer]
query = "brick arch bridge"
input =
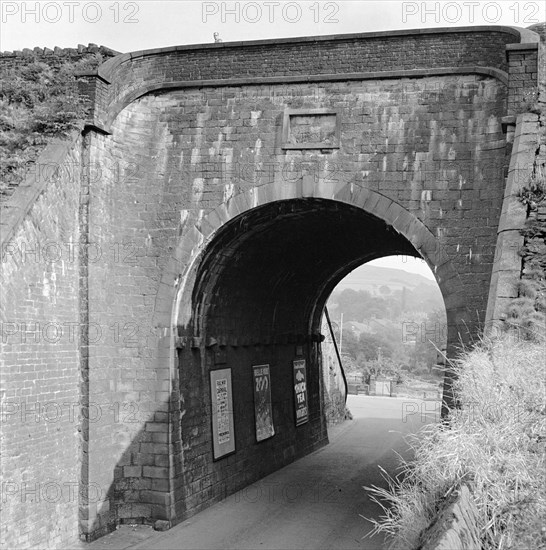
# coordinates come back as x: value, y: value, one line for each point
x: 253, y: 291
x: 233, y: 185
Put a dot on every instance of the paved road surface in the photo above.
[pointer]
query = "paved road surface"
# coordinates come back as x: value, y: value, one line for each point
x: 315, y: 503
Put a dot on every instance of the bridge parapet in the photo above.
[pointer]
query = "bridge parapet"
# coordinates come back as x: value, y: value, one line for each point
x: 391, y: 54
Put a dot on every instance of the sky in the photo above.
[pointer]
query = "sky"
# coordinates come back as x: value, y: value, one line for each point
x: 406, y: 263
x: 129, y: 26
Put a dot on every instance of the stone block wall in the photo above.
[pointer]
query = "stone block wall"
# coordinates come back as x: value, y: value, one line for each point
x: 523, y: 80
x: 55, y: 57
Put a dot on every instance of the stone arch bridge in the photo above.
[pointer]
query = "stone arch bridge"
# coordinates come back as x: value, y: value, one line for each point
x: 221, y: 192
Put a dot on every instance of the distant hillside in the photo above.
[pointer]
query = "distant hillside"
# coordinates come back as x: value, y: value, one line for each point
x: 370, y: 278
x: 383, y: 292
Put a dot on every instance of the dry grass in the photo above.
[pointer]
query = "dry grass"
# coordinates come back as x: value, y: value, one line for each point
x: 495, y: 443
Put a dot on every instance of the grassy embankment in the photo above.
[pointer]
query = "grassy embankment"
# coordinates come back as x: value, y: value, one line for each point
x: 37, y: 102
x: 494, y: 442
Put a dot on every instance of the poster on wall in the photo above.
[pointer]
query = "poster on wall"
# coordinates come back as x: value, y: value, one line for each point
x: 262, y: 402
x: 223, y: 431
x: 300, y: 392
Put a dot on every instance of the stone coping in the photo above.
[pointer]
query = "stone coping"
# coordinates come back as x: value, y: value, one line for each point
x: 520, y: 34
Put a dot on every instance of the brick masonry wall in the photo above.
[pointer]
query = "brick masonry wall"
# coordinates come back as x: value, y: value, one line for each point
x: 199, y: 480
x: 40, y: 372
x: 133, y: 223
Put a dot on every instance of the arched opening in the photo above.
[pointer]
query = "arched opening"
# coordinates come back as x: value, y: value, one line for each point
x: 283, y: 259
x: 389, y: 323
x: 257, y: 298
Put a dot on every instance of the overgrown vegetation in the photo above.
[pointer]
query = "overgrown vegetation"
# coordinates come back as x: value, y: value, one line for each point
x: 494, y: 443
x: 37, y: 102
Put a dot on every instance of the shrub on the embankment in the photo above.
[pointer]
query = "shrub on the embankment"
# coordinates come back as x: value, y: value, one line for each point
x: 495, y: 443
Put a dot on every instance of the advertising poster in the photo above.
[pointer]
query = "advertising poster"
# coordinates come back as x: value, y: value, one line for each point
x: 223, y: 431
x: 262, y: 402
x: 300, y: 392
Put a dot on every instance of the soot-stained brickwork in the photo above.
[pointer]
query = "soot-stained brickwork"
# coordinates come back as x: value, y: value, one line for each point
x: 204, y: 244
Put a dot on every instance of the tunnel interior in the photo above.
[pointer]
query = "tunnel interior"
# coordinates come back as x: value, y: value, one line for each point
x: 258, y: 299
x: 269, y: 272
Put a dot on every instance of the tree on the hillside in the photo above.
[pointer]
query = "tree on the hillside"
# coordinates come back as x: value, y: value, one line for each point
x: 368, y: 345
x: 359, y: 305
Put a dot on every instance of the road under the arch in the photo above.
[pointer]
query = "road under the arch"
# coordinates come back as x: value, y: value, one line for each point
x: 316, y: 502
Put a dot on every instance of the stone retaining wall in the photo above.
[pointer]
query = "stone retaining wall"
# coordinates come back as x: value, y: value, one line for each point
x: 456, y: 527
